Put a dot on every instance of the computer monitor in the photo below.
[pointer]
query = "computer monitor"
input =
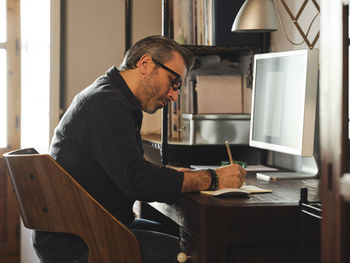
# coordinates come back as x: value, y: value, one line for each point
x: 284, y: 105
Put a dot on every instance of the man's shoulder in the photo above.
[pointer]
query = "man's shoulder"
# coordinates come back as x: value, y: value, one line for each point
x: 102, y: 89
x: 106, y: 92
x: 105, y: 99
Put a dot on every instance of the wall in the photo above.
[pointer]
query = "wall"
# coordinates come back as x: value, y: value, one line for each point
x: 279, y: 41
x: 94, y: 41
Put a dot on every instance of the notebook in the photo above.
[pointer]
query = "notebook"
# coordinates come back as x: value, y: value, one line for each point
x: 243, y: 190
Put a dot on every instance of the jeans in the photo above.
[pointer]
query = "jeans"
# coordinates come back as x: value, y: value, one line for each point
x: 156, y: 246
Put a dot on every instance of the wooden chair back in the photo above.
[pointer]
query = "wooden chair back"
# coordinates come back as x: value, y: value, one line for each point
x: 51, y: 200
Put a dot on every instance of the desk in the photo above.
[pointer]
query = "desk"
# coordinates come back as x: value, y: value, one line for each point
x: 259, y: 228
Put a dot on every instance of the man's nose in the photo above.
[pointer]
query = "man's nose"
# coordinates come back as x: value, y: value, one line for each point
x: 173, y: 94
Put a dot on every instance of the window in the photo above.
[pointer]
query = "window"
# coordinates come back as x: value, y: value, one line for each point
x: 25, y: 68
x: 35, y: 74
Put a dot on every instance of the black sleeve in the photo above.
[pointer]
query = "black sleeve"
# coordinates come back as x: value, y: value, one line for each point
x: 112, y: 140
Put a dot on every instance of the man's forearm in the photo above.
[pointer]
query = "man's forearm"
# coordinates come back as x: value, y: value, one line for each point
x: 196, y: 181
x: 229, y: 176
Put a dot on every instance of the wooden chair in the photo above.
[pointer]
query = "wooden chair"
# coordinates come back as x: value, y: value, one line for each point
x: 51, y: 200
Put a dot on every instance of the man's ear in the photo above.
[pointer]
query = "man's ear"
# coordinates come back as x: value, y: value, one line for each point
x: 145, y: 64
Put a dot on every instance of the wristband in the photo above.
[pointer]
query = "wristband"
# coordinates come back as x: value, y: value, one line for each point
x: 214, y: 180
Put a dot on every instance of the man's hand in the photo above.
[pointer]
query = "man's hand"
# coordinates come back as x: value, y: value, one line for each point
x: 230, y: 176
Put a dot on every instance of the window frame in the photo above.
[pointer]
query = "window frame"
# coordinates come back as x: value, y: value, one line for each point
x: 12, y: 45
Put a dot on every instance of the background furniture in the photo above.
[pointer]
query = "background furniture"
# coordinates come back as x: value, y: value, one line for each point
x: 51, y: 200
x: 230, y: 46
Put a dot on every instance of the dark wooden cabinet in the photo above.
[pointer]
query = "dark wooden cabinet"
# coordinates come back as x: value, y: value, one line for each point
x: 9, y: 219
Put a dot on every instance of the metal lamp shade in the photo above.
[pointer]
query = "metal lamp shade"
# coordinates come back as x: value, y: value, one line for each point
x: 256, y: 16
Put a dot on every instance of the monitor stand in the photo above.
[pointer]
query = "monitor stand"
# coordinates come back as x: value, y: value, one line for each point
x: 299, y: 167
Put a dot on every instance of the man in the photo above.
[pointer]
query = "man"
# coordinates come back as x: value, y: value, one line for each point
x: 98, y: 142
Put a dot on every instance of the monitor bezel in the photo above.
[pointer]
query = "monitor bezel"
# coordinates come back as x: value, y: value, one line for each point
x: 306, y: 143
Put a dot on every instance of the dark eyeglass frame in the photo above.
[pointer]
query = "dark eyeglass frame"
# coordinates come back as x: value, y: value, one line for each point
x: 175, y: 83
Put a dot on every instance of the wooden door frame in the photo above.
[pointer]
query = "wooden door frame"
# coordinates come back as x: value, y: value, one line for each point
x: 333, y: 132
x: 10, y: 244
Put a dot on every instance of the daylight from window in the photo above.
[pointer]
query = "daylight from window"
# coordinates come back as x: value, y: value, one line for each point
x: 35, y: 75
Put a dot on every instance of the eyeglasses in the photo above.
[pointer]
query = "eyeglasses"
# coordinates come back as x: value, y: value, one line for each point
x: 175, y: 83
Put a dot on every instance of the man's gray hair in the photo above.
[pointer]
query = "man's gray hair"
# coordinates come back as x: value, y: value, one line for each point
x: 159, y: 47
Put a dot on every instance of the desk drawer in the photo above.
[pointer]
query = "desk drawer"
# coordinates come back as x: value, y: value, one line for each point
x: 189, y: 245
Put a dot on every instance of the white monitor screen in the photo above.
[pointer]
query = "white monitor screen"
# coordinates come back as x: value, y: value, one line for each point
x: 284, y: 101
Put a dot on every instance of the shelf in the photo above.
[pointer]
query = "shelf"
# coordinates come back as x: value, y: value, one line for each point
x: 230, y: 46
x: 203, y: 50
x: 210, y: 154
x: 155, y: 139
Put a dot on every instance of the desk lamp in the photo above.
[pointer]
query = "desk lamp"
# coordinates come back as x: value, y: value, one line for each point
x: 263, y: 15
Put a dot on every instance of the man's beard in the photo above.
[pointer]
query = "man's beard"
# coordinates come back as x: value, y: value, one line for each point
x: 151, y: 99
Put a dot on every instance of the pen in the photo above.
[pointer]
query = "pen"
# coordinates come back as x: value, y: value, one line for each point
x: 230, y: 156
x: 229, y: 152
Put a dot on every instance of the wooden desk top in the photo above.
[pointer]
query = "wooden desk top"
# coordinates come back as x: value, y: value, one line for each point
x: 284, y: 192
x: 191, y: 208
